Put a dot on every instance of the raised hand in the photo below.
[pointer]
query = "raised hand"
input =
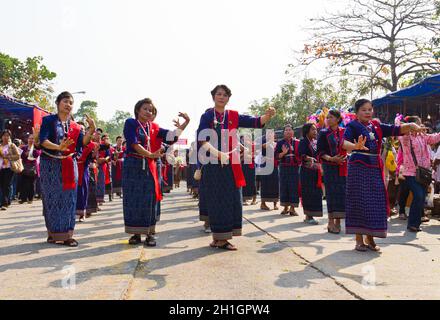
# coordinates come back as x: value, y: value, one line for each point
x: 270, y: 112
x: 91, y: 123
x: 360, y: 143
x: 285, y: 149
x: 65, y: 144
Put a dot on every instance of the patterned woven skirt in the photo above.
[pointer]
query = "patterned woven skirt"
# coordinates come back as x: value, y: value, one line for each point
x: 366, y: 202
x: 203, y: 210
x: 335, y: 188
x: 311, y: 195
x: 116, y: 184
x: 224, y: 202
x: 59, y: 207
x: 190, y: 176
x: 169, y: 180
x: 289, y: 186
x: 82, y: 194
x: 270, y: 189
x: 92, y: 203
x: 139, y: 201
x: 250, y: 190
x: 100, y: 186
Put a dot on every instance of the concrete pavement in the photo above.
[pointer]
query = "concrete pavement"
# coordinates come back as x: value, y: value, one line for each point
x: 278, y: 258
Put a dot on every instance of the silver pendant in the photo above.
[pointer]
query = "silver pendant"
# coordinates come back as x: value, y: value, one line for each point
x: 372, y: 136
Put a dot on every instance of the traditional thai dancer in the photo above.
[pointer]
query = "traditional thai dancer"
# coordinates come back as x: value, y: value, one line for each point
x: 223, y: 177
x: 61, y: 139
x: 311, y: 176
x: 83, y: 178
x: 287, y: 153
x: 270, y: 191
x: 118, y: 160
x: 104, y: 160
x: 334, y: 161
x: 140, y: 180
x: 366, y: 202
x: 92, y: 202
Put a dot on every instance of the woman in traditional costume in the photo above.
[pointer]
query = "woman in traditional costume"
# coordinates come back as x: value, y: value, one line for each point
x: 83, y: 178
x: 61, y: 140
x: 118, y: 160
x: 366, y: 202
x: 334, y: 161
x: 140, y: 180
x: 311, y: 177
x: 287, y: 153
x: 222, y: 177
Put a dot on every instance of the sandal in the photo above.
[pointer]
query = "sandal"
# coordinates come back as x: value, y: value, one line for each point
x: 285, y: 212
x: 425, y: 219
x: 293, y: 213
x: 136, y: 239
x: 150, y: 242
x: 227, y: 246
x: 51, y: 240
x: 334, y: 230
x: 213, y: 244
x: 264, y: 207
x: 414, y: 229
x: 361, y: 247
x: 374, y: 247
x: 71, y: 243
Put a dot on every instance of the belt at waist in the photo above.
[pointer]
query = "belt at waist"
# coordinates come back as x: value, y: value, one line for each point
x: 366, y: 154
x: 57, y: 157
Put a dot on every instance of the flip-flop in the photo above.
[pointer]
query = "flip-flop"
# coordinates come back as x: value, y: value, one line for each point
x: 361, y: 247
x: 375, y: 248
x: 227, y: 246
x: 71, y: 243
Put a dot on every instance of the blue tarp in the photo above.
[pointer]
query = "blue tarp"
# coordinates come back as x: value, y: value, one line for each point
x: 11, y: 108
x: 428, y: 87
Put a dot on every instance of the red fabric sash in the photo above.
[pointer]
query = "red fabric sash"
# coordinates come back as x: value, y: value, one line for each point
x: 240, y: 181
x: 118, y: 165
x: 82, y: 161
x: 154, y: 143
x: 67, y: 165
x: 104, y: 167
x: 343, y: 169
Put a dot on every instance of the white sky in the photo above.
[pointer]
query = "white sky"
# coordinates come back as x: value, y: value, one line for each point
x: 172, y: 51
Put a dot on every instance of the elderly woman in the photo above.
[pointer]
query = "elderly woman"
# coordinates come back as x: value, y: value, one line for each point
x: 140, y: 179
x: 61, y: 141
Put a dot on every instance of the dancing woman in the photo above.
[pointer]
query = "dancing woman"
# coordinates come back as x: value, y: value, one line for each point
x: 311, y: 178
x: 334, y: 161
x: 61, y: 140
x: 140, y: 180
x: 223, y: 178
x: 287, y: 153
x: 366, y: 203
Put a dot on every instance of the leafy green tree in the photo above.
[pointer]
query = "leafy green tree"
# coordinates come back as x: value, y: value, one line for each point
x: 381, y: 42
x: 29, y: 80
x: 115, y: 126
x: 87, y: 107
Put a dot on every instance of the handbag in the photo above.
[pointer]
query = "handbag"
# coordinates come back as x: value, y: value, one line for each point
x: 16, y: 165
x: 423, y: 175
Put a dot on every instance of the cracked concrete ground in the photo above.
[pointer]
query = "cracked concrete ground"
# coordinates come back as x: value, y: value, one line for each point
x: 279, y: 258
